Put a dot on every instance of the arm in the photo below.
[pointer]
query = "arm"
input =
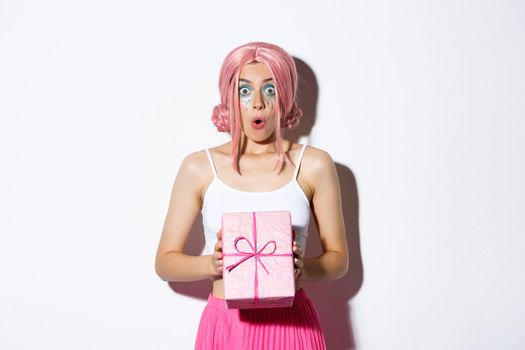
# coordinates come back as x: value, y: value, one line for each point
x: 171, y: 264
x: 328, y: 215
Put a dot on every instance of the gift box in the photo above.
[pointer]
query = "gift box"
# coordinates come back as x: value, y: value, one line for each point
x: 258, y: 268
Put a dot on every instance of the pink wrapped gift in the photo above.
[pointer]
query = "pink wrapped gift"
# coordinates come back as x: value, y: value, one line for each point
x: 258, y: 259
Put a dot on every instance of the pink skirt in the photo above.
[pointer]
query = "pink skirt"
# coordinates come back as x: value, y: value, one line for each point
x: 287, y: 328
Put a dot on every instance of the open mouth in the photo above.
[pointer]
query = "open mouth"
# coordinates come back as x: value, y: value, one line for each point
x: 258, y: 123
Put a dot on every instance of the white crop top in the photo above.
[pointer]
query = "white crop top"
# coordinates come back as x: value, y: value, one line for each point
x: 221, y: 198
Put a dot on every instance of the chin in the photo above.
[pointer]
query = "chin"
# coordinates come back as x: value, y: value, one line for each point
x: 260, y: 137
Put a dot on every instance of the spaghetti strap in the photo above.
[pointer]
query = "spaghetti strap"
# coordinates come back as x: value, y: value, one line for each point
x: 212, y: 165
x: 298, y: 162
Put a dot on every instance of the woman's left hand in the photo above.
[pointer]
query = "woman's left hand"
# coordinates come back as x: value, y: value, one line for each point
x: 298, y: 259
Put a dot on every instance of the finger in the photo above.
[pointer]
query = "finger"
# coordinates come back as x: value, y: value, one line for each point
x: 219, y: 234
x: 298, y: 252
x: 217, y: 264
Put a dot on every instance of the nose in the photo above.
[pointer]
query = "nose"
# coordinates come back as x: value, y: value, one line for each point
x: 258, y: 102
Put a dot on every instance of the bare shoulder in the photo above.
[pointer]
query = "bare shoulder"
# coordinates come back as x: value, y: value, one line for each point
x: 317, y: 160
x: 195, y: 170
x: 317, y: 168
x: 195, y: 163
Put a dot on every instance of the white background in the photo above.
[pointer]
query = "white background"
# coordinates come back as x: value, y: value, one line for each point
x: 420, y: 103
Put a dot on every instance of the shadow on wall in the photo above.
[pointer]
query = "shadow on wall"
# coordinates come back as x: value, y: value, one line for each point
x: 307, y: 94
x: 332, y: 298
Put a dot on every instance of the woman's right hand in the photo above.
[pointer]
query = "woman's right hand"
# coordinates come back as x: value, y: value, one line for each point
x: 216, y: 258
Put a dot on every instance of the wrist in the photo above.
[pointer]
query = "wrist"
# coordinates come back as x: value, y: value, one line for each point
x: 210, y: 271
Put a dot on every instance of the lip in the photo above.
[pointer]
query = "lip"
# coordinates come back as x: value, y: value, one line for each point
x: 258, y: 126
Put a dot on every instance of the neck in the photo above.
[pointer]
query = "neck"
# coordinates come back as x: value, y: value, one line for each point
x: 250, y: 147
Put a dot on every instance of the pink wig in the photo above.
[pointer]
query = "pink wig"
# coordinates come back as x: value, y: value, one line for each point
x: 226, y: 115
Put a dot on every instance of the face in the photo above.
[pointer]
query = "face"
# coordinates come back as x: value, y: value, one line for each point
x: 257, y: 100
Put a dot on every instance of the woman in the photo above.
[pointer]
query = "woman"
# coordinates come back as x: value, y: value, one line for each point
x: 258, y: 170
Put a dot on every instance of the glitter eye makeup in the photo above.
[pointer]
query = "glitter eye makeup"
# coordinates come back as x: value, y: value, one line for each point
x: 269, y: 90
x: 245, y: 90
x: 245, y: 94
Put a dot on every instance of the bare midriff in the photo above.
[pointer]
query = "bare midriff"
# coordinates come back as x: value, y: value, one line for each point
x: 218, y: 287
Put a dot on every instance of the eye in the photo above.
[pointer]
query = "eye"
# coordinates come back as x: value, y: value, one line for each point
x: 245, y: 90
x: 269, y: 89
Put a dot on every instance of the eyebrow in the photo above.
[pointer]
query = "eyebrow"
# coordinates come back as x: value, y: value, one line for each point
x: 247, y: 81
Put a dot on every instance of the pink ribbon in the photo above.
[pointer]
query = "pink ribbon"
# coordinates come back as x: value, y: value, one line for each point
x: 253, y: 253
